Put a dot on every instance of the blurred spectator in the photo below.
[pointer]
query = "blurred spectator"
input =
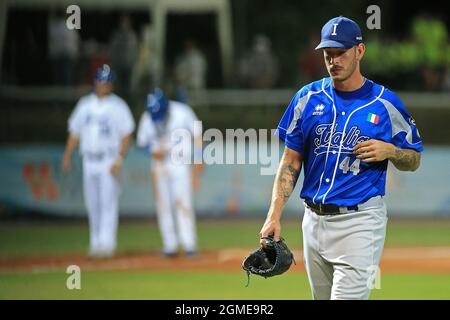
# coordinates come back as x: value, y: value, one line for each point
x: 181, y: 94
x: 96, y: 56
x: 63, y: 49
x: 191, y: 67
x: 446, y: 81
x: 311, y: 62
x: 173, y: 88
x: 146, y: 68
x: 432, y: 78
x: 259, y: 67
x: 123, y: 53
x: 432, y: 37
x: 26, y: 51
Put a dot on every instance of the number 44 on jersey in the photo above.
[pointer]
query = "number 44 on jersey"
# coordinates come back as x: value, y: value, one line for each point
x: 346, y: 167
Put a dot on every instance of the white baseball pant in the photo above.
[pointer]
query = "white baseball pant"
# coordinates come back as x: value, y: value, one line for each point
x: 342, y: 252
x: 172, y: 185
x: 101, y: 196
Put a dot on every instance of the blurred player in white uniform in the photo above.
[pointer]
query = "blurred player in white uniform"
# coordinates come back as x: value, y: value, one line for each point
x: 166, y: 130
x: 103, y: 124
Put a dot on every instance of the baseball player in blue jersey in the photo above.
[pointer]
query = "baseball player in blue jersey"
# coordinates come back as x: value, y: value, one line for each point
x: 343, y: 130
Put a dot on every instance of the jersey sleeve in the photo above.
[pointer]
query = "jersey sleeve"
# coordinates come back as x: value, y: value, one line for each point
x: 404, y: 132
x: 126, y: 120
x: 289, y: 129
x: 75, y: 122
x: 145, y: 133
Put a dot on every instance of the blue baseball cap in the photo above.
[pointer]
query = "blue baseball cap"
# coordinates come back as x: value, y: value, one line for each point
x: 104, y: 74
x: 340, y: 32
x: 157, y: 105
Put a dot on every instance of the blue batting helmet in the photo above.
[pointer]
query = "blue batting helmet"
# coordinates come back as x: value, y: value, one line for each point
x: 104, y: 74
x: 157, y: 104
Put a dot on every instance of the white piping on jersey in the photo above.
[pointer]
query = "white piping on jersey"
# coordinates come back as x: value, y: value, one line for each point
x: 342, y: 140
x: 298, y: 110
x: 329, y: 142
x: 398, y: 123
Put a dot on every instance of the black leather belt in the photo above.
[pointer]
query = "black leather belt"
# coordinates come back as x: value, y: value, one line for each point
x: 328, y: 209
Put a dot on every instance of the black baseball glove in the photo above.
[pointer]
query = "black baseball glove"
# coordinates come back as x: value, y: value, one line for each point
x: 273, y: 259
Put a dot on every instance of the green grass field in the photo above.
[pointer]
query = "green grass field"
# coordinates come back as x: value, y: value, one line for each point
x: 32, y: 239
x: 204, y: 286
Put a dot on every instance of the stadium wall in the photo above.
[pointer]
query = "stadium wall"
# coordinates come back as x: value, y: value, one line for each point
x: 31, y: 179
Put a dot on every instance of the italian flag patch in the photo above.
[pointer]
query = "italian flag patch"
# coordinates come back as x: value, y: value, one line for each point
x: 371, y: 117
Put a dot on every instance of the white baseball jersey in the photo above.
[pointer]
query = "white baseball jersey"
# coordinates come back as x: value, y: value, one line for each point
x: 101, y: 123
x: 161, y: 136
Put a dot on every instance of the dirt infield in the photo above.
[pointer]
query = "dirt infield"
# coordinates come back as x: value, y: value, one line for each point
x: 404, y: 260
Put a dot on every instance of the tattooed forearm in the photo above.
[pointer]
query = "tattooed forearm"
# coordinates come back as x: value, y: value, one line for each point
x: 286, y: 180
x: 406, y: 159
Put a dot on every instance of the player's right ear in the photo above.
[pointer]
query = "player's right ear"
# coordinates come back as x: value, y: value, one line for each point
x: 360, y: 50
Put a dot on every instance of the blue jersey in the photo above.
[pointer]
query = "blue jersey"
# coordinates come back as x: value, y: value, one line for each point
x: 325, y: 124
